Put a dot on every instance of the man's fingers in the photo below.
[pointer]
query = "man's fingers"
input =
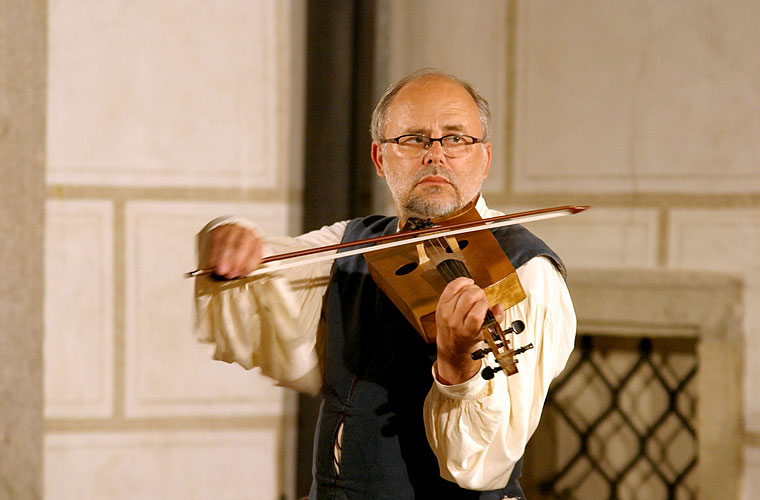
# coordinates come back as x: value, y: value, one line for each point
x: 453, y: 288
x: 462, y: 306
x: 216, y: 247
x: 234, y: 251
x: 498, y: 312
x: 238, y: 252
x: 223, y: 248
x: 473, y: 319
x: 450, y: 300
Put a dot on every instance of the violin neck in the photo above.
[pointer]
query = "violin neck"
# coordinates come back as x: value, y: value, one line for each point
x: 452, y: 269
x: 451, y: 266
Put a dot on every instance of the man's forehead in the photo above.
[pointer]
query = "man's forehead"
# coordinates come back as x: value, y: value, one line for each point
x: 434, y: 85
x: 434, y: 98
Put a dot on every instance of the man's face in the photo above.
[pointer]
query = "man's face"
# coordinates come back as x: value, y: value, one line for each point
x: 432, y: 184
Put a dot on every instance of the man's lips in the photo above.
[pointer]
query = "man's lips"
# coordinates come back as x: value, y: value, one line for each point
x: 433, y: 180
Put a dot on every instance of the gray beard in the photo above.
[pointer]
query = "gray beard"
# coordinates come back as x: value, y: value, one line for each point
x: 422, y: 207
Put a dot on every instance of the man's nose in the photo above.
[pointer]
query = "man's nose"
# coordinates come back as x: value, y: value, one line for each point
x: 435, y: 153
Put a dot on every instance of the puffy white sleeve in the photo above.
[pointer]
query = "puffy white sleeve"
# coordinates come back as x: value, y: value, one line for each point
x: 478, y: 430
x: 268, y: 321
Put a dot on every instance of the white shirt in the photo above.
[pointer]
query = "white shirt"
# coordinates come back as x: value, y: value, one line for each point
x: 478, y: 429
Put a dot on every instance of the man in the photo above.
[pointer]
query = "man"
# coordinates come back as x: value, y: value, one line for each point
x: 400, y: 418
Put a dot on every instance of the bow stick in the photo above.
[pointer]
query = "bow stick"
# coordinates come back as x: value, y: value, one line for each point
x: 275, y: 262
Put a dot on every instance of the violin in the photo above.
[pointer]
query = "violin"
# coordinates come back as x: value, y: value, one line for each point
x: 413, y: 276
x: 414, y: 265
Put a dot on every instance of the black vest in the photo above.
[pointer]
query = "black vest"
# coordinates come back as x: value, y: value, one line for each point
x: 377, y: 372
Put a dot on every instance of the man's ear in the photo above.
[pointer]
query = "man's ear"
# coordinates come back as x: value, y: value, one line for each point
x: 487, y: 147
x: 377, y: 158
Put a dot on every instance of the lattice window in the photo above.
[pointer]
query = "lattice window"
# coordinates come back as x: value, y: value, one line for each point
x: 619, y: 423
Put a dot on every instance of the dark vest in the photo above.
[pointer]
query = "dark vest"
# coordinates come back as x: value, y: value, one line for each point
x: 377, y: 372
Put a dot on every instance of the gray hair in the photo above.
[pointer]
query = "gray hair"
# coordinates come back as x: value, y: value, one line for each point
x: 380, y: 115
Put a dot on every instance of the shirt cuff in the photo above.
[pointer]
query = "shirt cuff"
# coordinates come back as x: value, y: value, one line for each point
x: 232, y: 219
x: 469, y: 389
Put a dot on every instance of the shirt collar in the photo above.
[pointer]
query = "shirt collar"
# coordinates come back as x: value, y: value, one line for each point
x: 481, y: 207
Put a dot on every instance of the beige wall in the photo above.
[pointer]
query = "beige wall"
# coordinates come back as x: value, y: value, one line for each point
x: 646, y: 110
x: 161, y: 116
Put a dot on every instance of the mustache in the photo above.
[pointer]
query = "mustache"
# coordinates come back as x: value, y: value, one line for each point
x: 433, y: 170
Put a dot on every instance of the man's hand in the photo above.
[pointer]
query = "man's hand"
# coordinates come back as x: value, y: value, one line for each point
x: 233, y: 251
x: 460, y: 313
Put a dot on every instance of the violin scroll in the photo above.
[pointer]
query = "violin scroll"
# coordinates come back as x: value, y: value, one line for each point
x: 496, y: 338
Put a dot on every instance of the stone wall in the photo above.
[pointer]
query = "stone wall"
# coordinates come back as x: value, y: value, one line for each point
x: 161, y: 116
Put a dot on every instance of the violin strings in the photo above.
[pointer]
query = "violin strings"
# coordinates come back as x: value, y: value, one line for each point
x: 451, y: 269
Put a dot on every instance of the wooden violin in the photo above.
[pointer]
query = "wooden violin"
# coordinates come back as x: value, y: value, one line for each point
x: 413, y: 277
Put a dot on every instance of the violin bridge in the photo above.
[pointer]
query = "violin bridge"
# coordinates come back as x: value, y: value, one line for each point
x: 440, y: 250
x: 422, y: 257
x: 453, y: 244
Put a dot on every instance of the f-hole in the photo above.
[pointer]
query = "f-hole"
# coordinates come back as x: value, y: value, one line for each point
x: 462, y: 245
x: 406, y: 269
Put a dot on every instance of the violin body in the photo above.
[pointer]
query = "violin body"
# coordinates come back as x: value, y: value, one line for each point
x: 408, y: 274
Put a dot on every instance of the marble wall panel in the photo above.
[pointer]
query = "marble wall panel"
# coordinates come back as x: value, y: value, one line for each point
x: 601, y: 237
x: 171, y: 93
x: 168, y: 373
x: 726, y: 240
x: 171, y: 465
x: 467, y: 42
x: 637, y: 96
x: 78, y: 346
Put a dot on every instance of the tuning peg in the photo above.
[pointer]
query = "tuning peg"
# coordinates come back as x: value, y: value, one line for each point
x: 523, y: 349
x: 517, y: 326
x: 488, y: 372
x: 480, y: 353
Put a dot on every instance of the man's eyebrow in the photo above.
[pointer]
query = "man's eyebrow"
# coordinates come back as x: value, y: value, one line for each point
x: 422, y: 131
x: 445, y: 128
x: 454, y: 128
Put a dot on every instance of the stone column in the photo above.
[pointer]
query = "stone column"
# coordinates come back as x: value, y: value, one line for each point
x: 23, y: 68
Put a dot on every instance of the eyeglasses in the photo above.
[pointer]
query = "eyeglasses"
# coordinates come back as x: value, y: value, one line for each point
x: 414, y: 145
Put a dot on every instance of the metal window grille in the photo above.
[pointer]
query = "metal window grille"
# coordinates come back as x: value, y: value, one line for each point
x: 621, y: 422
